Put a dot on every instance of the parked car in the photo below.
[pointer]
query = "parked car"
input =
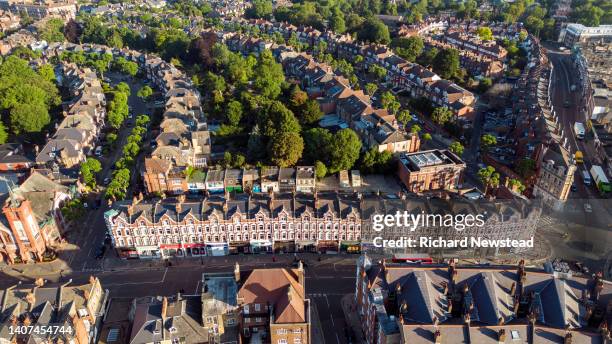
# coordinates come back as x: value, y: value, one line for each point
x: 588, y: 208
x: 106, y: 181
x: 98, y: 151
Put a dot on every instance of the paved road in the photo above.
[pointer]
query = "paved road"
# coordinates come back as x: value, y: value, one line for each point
x: 87, y: 239
x: 326, y: 281
x: 563, y: 77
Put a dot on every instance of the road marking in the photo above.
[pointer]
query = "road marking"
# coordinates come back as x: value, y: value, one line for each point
x: 197, y: 286
x: 337, y: 339
x: 136, y: 283
x: 164, y: 277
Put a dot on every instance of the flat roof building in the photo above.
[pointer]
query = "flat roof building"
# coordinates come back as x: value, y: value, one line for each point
x: 434, y: 169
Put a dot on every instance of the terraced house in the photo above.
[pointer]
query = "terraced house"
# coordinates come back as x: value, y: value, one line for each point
x: 76, y: 309
x: 447, y: 303
x: 345, y: 47
x: 240, y: 223
x: 83, y: 119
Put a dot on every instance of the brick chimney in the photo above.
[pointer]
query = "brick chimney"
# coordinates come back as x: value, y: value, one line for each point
x: 501, y: 336
x: 300, y: 273
x: 237, y: 272
x: 437, y: 337
x: 568, y: 338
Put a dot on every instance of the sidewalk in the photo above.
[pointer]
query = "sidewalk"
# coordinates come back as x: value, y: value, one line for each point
x: 61, y: 268
x: 317, y: 329
x: 352, y: 318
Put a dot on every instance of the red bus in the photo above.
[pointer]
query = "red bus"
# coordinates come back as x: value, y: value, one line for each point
x: 421, y: 258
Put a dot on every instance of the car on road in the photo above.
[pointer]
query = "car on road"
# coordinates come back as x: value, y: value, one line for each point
x: 100, y: 252
x: 588, y: 208
x: 566, y: 104
x: 574, y: 188
x: 296, y: 263
x: 106, y: 181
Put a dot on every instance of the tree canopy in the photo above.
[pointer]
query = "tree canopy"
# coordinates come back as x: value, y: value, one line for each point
x: 26, y: 95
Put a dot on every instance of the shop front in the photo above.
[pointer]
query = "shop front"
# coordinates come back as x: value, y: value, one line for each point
x: 194, y: 250
x: 306, y: 246
x: 127, y: 252
x: 327, y: 246
x: 350, y: 247
x: 261, y: 246
x: 284, y: 246
x: 239, y: 247
x: 171, y: 250
x: 148, y: 252
x: 217, y: 249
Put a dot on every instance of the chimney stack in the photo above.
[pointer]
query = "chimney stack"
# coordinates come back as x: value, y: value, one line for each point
x: 164, y: 310
x: 237, y: 272
x: 501, y: 336
x: 568, y: 338
x: 300, y: 272
x: 437, y: 337
x: 39, y: 282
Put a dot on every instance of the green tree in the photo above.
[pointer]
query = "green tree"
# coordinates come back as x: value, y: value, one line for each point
x: 526, y: 168
x: 379, y: 72
x: 3, y: 134
x: 317, y: 143
x: 415, y: 129
x: 516, y: 184
x: 408, y: 48
x: 111, y: 138
x: 485, y: 33
x: 25, y: 95
x: 52, y: 30
x: 446, y: 63
x: 337, y: 22
x: 145, y: 92
x: 46, y: 71
x: 487, y: 141
x: 124, y: 88
x: 534, y: 24
x: 73, y: 209
x: 376, y: 162
x: 268, y: 76
x: 89, y: 169
x: 371, y: 88
x: 484, y: 84
x: 29, y: 118
x: 260, y: 9
x: 404, y: 116
x: 233, y: 113
x: 278, y: 119
x: 227, y: 159
x: 311, y: 112
x: 428, y: 57
x: 488, y: 177
x: 298, y: 98
x: 427, y: 137
x: 344, y: 150
x: 239, y: 160
x: 441, y: 115
x: 320, y: 169
x: 374, y: 31
x: 285, y: 149
x: 387, y: 98
x: 457, y: 148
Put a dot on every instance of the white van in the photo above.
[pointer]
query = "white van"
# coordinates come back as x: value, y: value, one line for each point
x: 98, y: 151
